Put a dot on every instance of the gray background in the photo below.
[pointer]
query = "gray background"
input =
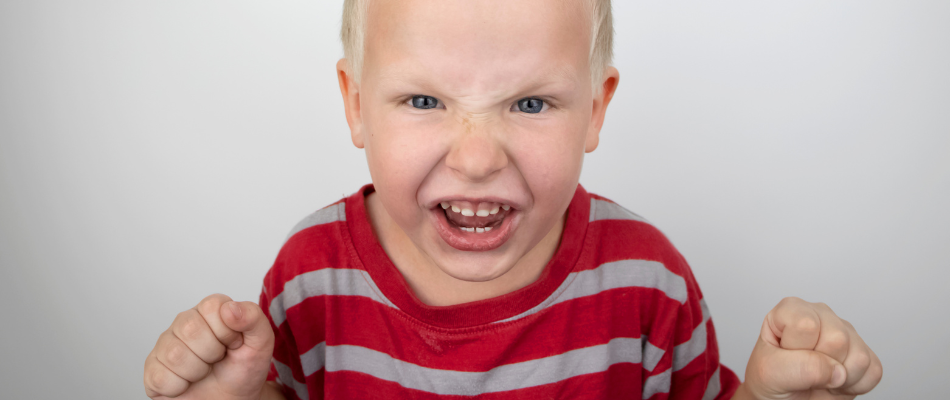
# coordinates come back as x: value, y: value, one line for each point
x: 154, y: 152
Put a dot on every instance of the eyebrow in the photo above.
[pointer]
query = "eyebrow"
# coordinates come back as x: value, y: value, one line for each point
x: 554, y: 75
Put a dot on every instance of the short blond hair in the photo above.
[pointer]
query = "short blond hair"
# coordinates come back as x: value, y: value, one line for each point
x: 353, y: 34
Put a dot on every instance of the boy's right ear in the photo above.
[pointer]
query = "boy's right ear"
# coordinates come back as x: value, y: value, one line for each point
x: 350, y: 90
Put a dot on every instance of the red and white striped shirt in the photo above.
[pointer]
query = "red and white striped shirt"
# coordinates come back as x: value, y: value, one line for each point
x: 616, y: 314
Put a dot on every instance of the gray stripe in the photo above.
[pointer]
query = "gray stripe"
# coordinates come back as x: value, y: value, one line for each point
x: 659, y: 383
x: 651, y: 355
x: 614, y: 275
x: 686, y: 352
x: 314, y: 359
x: 286, y: 377
x: 502, y: 378
x: 714, y: 386
x: 324, y: 282
x: 336, y: 212
x: 600, y: 209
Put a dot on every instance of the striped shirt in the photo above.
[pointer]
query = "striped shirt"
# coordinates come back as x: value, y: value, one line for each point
x: 616, y: 314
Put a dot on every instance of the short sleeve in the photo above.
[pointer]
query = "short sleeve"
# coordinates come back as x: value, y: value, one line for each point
x: 681, y: 355
x: 285, y: 368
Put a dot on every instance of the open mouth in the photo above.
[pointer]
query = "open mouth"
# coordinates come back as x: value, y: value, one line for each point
x: 474, y: 226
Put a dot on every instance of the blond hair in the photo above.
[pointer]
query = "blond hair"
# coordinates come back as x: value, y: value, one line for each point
x: 353, y: 33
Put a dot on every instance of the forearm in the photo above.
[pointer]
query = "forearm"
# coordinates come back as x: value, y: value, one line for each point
x: 271, y: 391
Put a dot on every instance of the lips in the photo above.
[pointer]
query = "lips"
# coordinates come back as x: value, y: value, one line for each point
x: 474, y: 226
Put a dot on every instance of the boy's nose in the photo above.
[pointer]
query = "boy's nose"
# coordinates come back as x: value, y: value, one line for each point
x: 477, y: 155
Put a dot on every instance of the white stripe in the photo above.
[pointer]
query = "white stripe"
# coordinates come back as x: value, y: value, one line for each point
x: 506, y: 377
x: 324, y: 282
x: 651, y: 354
x: 659, y: 383
x: 713, y: 387
x: 286, y: 378
x: 614, y: 275
x: 333, y: 213
x: 686, y: 352
x: 314, y: 359
x: 601, y: 210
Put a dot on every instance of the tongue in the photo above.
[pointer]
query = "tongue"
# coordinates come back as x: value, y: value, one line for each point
x: 475, y: 221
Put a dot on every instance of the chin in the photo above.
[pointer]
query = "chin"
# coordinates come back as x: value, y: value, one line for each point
x: 474, y: 270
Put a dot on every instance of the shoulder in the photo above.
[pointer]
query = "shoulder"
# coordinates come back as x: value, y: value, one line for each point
x: 317, y: 242
x: 618, y: 234
x: 321, y: 218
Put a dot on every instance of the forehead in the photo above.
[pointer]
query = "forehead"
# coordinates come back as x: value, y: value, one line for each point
x: 473, y: 43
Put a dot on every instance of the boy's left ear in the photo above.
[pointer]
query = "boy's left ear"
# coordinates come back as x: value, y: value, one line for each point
x: 601, y: 100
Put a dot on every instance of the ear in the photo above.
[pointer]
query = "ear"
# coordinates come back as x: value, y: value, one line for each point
x: 351, y: 101
x: 601, y: 100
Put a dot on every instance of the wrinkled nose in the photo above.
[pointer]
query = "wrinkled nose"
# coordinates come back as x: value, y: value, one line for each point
x: 477, y: 154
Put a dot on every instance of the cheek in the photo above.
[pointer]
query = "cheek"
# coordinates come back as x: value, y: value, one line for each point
x: 550, y: 158
x: 400, y: 155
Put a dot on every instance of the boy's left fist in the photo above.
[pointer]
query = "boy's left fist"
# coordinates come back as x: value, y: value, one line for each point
x: 805, y: 351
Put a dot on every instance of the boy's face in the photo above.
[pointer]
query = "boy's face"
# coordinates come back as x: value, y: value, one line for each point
x: 478, y: 105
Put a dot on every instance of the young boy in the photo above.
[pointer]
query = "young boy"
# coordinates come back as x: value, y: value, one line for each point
x: 475, y: 265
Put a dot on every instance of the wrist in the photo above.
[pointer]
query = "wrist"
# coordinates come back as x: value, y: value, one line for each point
x: 271, y: 391
x: 743, y: 393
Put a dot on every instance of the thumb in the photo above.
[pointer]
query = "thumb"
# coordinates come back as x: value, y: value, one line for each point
x: 800, y: 370
x: 246, y: 317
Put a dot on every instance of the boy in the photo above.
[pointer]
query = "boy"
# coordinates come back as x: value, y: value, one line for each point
x: 475, y: 265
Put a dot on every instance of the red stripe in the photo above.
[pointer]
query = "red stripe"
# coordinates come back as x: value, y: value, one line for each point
x: 587, y: 321
x: 621, y: 381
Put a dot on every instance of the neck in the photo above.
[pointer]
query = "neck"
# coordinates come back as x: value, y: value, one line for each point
x: 434, y: 287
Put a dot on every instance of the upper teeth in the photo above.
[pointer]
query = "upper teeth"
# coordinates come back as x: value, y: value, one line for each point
x: 478, y: 209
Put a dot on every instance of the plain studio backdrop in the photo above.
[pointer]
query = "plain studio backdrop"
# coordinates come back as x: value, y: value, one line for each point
x: 155, y: 152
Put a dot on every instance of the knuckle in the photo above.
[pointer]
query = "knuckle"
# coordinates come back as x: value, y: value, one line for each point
x: 876, y: 370
x: 837, y: 340
x: 191, y: 329
x: 807, y: 326
x: 791, y: 300
x: 861, y: 360
x: 156, y: 380
x: 206, y: 308
x: 211, y: 304
x: 176, y: 355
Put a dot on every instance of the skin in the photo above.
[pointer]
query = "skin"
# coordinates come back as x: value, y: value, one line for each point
x: 477, y: 145
x: 473, y: 145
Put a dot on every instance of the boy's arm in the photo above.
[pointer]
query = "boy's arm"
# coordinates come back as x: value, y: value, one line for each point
x: 806, y: 351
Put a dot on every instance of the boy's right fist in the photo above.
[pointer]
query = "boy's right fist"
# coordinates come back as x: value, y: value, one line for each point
x: 221, y: 349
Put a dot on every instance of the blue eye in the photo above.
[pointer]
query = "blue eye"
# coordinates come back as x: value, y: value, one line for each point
x: 424, y: 102
x: 530, y: 105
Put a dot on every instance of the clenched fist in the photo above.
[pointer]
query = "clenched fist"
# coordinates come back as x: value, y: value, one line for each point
x: 805, y: 351
x: 221, y: 349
